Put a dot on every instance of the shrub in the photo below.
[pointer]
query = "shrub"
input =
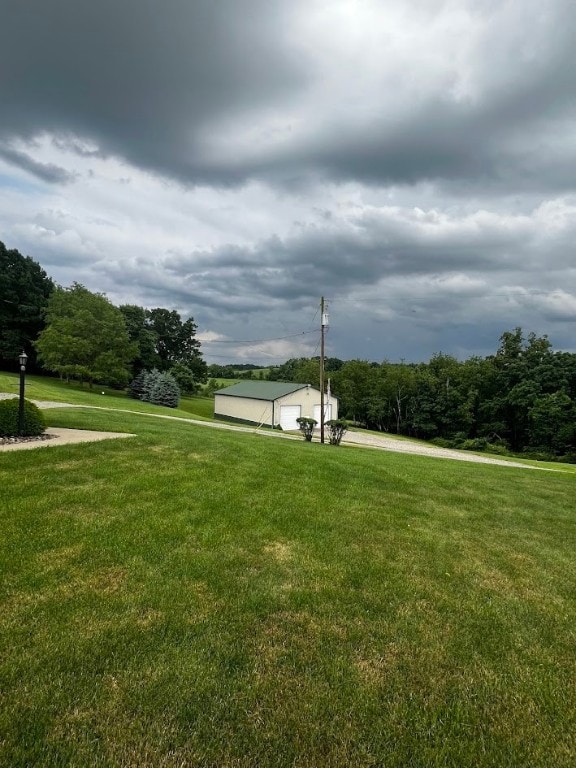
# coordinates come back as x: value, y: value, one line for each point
x: 184, y: 378
x: 165, y: 391
x: 306, y: 426
x: 498, y: 448
x: 337, y: 428
x: 33, y: 420
x: 458, y: 440
x: 568, y: 458
x: 214, y: 385
x: 474, y: 444
x: 537, y: 453
x: 441, y: 442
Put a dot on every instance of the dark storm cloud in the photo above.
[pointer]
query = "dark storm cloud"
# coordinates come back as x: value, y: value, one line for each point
x: 154, y: 83
x: 44, y: 171
x: 138, y: 78
x: 415, y: 162
x: 376, y: 245
x: 424, y: 268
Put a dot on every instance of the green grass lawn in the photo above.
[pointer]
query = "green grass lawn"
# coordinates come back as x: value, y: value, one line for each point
x: 194, y: 597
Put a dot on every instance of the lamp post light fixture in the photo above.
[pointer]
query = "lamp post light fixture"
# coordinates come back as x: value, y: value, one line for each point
x: 22, y: 359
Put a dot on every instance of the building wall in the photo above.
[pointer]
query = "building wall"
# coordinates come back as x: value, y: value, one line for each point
x: 260, y: 411
x: 333, y: 401
x: 243, y: 408
x: 307, y: 398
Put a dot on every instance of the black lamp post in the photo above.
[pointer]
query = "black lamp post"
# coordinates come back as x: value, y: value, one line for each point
x: 22, y: 359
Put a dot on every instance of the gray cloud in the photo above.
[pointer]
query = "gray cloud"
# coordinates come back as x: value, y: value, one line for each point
x: 402, y: 283
x: 413, y: 162
x: 44, y: 171
x: 170, y: 89
x: 138, y: 81
x: 365, y: 248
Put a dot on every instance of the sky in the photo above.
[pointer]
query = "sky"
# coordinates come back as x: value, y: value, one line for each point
x: 412, y: 162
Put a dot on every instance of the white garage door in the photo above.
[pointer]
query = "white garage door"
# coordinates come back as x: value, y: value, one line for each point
x: 288, y: 416
x: 327, y: 412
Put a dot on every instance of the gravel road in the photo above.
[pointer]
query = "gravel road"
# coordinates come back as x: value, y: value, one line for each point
x: 406, y: 446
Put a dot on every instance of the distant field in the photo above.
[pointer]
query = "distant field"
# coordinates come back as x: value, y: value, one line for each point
x: 256, y: 372
x: 226, y: 382
x: 193, y: 597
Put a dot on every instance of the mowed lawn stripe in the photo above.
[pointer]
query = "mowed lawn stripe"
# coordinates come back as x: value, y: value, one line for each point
x: 198, y: 597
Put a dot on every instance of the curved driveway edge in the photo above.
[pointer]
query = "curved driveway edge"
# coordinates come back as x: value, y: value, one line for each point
x: 356, y: 439
x: 418, y: 449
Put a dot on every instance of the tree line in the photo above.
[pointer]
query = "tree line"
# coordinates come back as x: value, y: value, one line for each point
x: 522, y: 398
x: 80, y: 334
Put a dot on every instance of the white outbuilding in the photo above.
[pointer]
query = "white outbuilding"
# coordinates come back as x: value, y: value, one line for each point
x: 272, y: 403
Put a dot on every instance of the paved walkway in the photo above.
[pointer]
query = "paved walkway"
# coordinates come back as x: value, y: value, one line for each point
x: 359, y: 439
x: 61, y: 436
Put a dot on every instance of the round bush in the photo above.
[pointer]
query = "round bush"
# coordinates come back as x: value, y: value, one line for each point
x: 33, y: 420
x: 337, y: 428
x: 307, y: 427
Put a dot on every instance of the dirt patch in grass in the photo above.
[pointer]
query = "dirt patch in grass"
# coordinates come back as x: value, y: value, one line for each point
x: 280, y: 551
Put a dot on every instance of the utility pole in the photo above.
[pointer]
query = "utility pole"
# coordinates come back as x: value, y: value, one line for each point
x: 323, y: 326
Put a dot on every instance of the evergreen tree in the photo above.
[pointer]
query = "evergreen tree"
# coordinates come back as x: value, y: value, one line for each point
x: 165, y: 391
x: 136, y: 386
x: 149, y: 382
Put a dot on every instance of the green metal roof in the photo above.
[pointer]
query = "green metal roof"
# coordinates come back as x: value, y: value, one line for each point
x: 261, y: 390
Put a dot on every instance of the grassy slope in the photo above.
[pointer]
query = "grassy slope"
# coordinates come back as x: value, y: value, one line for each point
x: 45, y: 388
x: 194, y: 597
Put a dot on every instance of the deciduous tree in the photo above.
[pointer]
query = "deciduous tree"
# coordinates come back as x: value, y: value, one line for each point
x: 176, y: 341
x: 24, y: 291
x: 85, y: 337
x: 146, y: 339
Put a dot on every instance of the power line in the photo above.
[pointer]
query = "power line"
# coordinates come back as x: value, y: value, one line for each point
x: 227, y: 357
x: 254, y: 341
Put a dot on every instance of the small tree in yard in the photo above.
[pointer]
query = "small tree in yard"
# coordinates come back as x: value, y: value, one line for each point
x: 307, y: 427
x: 148, y: 384
x: 337, y: 428
x: 166, y: 391
x: 184, y: 378
x: 213, y: 386
x: 136, y: 386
